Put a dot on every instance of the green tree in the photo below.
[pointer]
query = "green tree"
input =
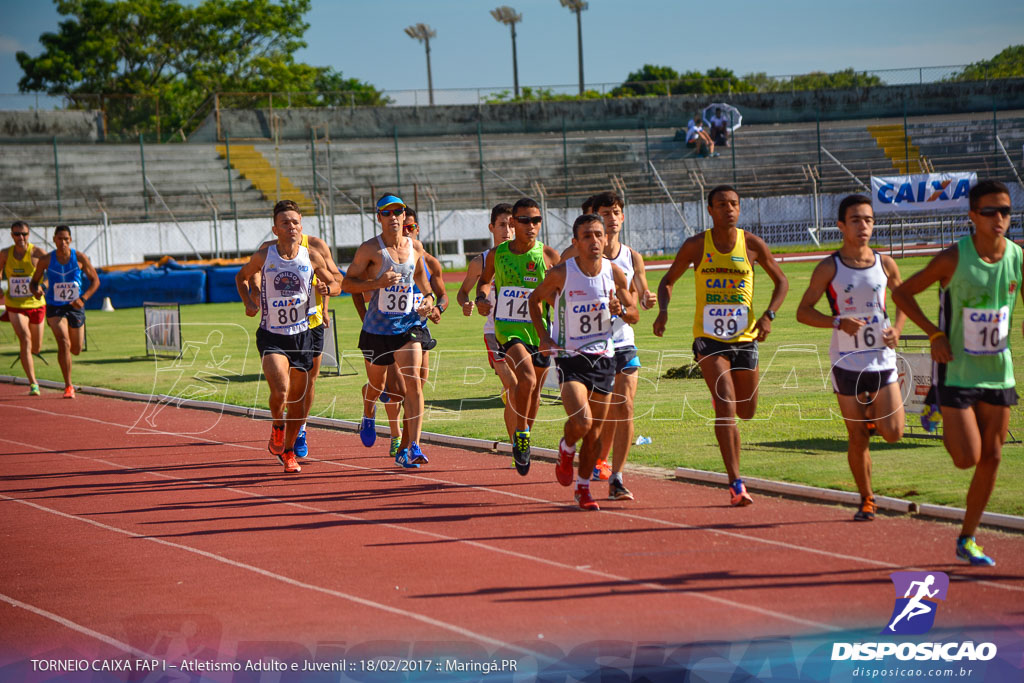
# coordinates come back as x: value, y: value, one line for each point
x: 649, y: 80
x: 145, y: 56
x: 1007, y: 64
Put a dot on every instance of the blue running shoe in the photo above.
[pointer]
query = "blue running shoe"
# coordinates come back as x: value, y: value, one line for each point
x: 416, y: 455
x: 368, y: 431
x: 300, y: 448
x: 403, y: 459
x: 969, y: 551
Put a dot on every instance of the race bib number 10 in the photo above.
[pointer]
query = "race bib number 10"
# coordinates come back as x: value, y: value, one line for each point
x: 512, y: 305
x: 986, y: 330
x: 725, y: 322
x: 396, y: 300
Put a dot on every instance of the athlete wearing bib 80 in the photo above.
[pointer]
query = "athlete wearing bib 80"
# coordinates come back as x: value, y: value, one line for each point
x: 724, y: 328
x: 972, y: 370
x: 517, y: 268
x: 283, y: 338
x: 863, y: 360
x: 586, y: 291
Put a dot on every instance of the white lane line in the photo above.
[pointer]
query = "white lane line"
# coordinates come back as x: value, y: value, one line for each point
x: 67, y: 623
x: 285, y: 579
x: 454, y: 539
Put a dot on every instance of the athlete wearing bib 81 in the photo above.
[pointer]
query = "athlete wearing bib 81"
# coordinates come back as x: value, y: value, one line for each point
x: 586, y: 292
x: 972, y: 372
x: 863, y: 360
x: 724, y: 328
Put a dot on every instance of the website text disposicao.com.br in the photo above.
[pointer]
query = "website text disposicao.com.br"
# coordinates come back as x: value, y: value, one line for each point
x: 904, y: 673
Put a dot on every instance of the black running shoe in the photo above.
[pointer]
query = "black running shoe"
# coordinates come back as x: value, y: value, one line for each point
x: 521, y: 452
x: 616, y: 491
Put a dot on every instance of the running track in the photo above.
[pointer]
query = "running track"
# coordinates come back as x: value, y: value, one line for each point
x: 116, y: 538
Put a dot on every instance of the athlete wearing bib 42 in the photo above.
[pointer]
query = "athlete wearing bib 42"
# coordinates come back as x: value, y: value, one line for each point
x: 863, y: 360
x: 587, y: 291
x: 725, y: 329
x: 24, y: 310
x: 65, y: 298
x: 972, y: 373
x: 283, y: 339
x: 517, y: 268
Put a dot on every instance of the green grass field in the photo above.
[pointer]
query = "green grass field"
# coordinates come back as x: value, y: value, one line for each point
x: 798, y: 435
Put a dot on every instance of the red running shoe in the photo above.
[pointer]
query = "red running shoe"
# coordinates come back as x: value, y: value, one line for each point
x: 602, y: 471
x: 584, y: 500
x: 291, y: 465
x: 563, y: 468
x: 276, y: 445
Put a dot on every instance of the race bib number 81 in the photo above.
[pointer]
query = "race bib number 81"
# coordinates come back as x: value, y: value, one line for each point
x: 589, y: 320
x: 725, y: 322
x: 986, y: 330
x: 512, y: 305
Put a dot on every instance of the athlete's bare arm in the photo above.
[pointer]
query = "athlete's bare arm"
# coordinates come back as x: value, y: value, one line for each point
x: 419, y: 276
x: 646, y: 298
x: 623, y: 299
x: 323, y: 272
x: 763, y: 256
x: 891, y: 335
x: 687, y: 256
x: 366, y: 260
x: 570, y: 252
x: 254, y: 265
x: 808, y: 313
x: 546, y: 292
x: 483, y: 285
x: 940, y: 269
x: 322, y: 248
x: 437, y: 286
x: 473, y: 272
x: 551, y: 257
x: 38, y: 275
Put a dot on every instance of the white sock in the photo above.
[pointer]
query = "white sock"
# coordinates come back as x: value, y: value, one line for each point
x: 568, y: 446
x: 582, y: 483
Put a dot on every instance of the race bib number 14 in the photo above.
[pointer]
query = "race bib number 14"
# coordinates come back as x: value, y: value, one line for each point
x: 512, y: 305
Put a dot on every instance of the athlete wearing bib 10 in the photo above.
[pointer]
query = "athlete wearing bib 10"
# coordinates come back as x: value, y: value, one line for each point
x: 18, y: 273
x: 64, y: 285
x: 860, y: 362
x: 286, y: 300
x: 622, y: 332
x: 515, y: 277
x: 391, y: 319
x: 582, y: 328
x: 974, y: 312
x: 722, y: 321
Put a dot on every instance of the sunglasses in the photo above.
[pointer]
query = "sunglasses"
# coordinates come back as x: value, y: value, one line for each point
x: 391, y: 212
x: 411, y: 226
x: 990, y: 211
x: 19, y: 234
x: 526, y: 220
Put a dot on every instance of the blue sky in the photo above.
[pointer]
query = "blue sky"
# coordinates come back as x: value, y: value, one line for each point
x: 472, y: 50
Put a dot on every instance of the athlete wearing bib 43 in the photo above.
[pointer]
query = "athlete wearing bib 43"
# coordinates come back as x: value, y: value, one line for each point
x: 24, y: 309
x: 862, y: 350
x: 283, y: 339
x: 66, y: 295
x: 725, y: 328
x: 586, y: 291
x: 972, y: 373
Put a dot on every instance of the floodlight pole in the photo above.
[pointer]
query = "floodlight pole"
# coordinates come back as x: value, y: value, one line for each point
x: 507, y: 15
x: 424, y: 33
x: 577, y: 6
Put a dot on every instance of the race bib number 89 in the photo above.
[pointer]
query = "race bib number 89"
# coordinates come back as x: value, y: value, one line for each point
x: 20, y: 287
x: 725, y: 322
x: 396, y: 300
x: 512, y: 305
x: 986, y: 330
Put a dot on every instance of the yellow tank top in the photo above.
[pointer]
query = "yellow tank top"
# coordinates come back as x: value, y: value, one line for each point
x: 317, y: 318
x: 18, y: 273
x: 725, y: 293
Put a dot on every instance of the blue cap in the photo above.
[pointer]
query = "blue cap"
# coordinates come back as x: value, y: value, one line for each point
x: 389, y: 200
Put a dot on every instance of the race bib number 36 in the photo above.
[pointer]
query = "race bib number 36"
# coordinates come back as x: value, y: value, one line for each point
x: 65, y: 292
x: 19, y: 287
x: 986, y: 330
x: 512, y: 305
x: 725, y: 322
x: 396, y: 300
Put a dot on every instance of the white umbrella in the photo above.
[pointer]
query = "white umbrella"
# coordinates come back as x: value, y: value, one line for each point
x: 727, y: 109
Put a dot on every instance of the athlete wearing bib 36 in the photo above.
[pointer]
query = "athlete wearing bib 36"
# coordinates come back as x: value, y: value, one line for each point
x: 724, y: 328
x: 972, y: 373
x: 283, y: 338
x: 388, y: 265
x: 517, y: 268
x: 586, y: 291
x: 65, y: 298
x: 25, y: 310
x: 863, y: 360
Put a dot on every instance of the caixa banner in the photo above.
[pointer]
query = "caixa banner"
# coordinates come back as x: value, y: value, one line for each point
x: 921, y: 192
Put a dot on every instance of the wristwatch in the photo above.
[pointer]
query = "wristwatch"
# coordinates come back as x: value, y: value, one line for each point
x: 836, y: 322
x: 770, y: 313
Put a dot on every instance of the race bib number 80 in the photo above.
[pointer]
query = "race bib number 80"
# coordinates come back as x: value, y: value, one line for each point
x: 287, y: 313
x: 986, y: 330
x: 725, y: 322
x: 512, y: 305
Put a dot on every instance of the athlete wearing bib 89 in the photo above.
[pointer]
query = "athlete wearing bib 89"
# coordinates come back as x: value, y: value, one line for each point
x: 722, y: 323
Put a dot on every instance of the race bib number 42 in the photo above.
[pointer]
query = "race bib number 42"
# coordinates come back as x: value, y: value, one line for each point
x: 512, y: 305
x: 65, y: 292
x: 396, y: 300
x: 986, y: 330
x: 725, y: 322
x: 20, y: 287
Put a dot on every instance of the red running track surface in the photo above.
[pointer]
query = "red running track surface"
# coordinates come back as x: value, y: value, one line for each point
x: 181, y: 536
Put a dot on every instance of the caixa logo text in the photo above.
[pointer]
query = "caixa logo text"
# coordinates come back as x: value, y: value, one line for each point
x: 923, y: 191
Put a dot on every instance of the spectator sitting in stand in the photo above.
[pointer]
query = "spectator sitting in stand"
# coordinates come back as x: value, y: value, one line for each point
x: 699, y: 139
x: 720, y: 128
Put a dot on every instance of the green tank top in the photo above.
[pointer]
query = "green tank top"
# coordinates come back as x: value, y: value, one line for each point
x: 515, y: 277
x: 974, y: 312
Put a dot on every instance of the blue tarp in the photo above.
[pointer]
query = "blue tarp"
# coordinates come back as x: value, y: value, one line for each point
x: 130, y: 288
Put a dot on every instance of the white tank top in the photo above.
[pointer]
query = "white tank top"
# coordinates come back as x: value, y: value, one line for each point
x: 582, y: 323
x: 860, y: 293
x: 622, y: 332
x: 286, y: 297
x: 489, y: 319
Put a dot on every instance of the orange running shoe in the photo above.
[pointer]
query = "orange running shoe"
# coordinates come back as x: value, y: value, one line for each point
x: 602, y: 471
x: 276, y: 445
x: 69, y: 392
x: 563, y: 468
x: 583, y: 498
x: 291, y: 465
x: 740, y: 497
x: 867, y: 510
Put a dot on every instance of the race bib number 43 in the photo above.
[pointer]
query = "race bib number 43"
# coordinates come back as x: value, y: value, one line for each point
x: 396, y: 300
x: 725, y: 322
x: 20, y: 287
x: 986, y: 330
x: 512, y: 305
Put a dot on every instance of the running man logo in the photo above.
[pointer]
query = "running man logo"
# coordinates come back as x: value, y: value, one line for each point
x: 917, y: 596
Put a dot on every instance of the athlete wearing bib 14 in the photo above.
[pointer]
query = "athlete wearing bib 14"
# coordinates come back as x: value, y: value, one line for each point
x: 972, y: 377
x: 25, y: 311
